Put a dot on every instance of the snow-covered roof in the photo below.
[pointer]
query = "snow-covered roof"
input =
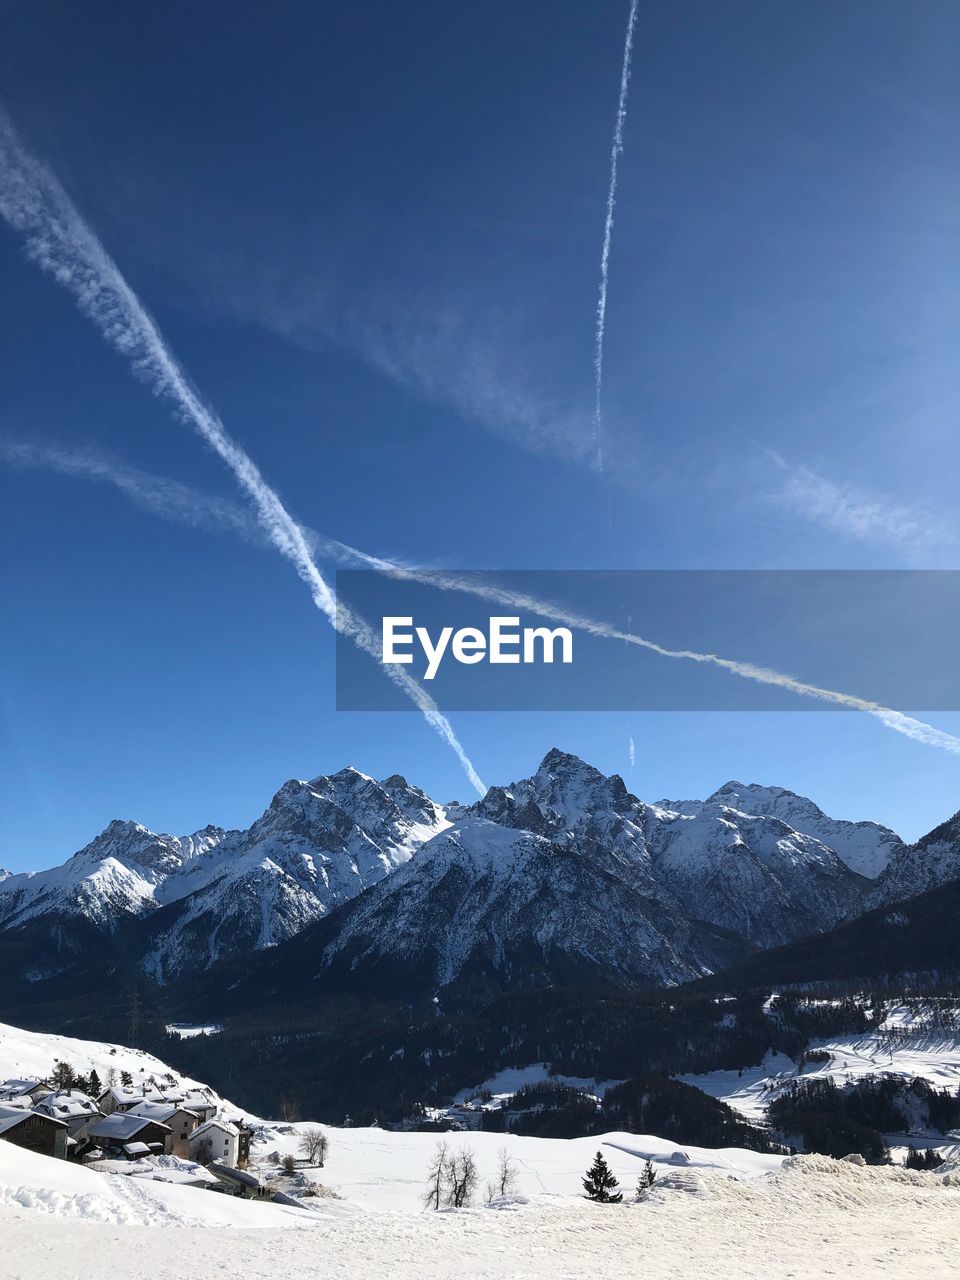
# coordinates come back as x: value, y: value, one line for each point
x: 160, y: 1111
x: 136, y: 1149
x: 223, y: 1125
x: 15, y: 1087
x: 10, y: 1117
x: 122, y: 1124
x: 67, y: 1104
x: 121, y: 1094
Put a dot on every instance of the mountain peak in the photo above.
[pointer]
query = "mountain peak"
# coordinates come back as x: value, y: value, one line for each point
x: 564, y: 762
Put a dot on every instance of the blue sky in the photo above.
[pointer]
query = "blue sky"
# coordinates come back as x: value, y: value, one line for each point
x: 371, y: 233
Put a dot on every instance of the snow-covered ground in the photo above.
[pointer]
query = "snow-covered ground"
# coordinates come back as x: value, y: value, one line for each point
x: 729, y: 1213
x: 505, y: 1083
x: 187, y: 1030
x: 814, y: 1217
x: 26, y: 1055
x: 379, y: 1170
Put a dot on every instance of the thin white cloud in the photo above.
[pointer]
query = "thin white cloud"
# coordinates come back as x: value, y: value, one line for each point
x: 158, y: 495
x: 631, y: 751
x: 444, y: 355
x: 60, y: 242
x: 854, y: 512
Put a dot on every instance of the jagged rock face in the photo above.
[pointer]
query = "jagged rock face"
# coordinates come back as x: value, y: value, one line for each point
x: 934, y: 860
x: 488, y: 906
x: 574, y: 804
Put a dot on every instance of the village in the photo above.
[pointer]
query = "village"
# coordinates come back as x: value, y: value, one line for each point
x: 153, y: 1128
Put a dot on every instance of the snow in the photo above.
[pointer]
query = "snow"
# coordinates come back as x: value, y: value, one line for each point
x: 32, y: 1055
x: 731, y: 1214
x: 813, y: 1217
x: 187, y: 1030
x: 62, y: 1189
x: 381, y: 1170
x: 901, y: 1045
x: 511, y: 1079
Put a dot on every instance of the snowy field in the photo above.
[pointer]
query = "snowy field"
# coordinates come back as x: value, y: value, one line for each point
x: 812, y: 1218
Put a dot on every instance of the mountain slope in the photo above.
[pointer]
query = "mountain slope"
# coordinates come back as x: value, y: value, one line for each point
x: 484, y: 908
x: 933, y: 860
x: 918, y: 936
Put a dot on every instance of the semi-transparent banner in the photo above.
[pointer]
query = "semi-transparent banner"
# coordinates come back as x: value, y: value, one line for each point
x: 686, y: 640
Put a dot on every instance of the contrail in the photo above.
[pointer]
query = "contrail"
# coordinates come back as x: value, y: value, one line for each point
x: 60, y: 242
x: 138, y: 485
x: 615, y: 151
x: 171, y: 499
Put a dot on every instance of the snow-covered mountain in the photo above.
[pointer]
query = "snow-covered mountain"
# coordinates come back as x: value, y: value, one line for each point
x: 712, y: 861
x: 491, y: 906
x: 564, y: 875
x: 866, y: 847
x: 116, y: 875
x: 753, y: 874
x: 220, y: 892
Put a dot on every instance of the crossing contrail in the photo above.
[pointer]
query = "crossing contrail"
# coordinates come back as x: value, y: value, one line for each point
x: 615, y: 151
x: 60, y: 242
x: 176, y: 501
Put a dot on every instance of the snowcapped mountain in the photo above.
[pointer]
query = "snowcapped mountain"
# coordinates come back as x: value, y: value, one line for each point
x: 754, y: 875
x: 116, y: 875
x: 220, y: 892
x: 866, y: 847
x: 563, y: 876
x: 317, y: 846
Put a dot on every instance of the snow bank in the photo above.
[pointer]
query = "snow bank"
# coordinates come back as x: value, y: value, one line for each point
x: 812, y: 1217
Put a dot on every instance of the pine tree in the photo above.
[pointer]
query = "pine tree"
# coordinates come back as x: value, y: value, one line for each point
x: 95, y: 1087
x: 600, y: 1184
x: 646, y: 1180
x: 62, y: 1076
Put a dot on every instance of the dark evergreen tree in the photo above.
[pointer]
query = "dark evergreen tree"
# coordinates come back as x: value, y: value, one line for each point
x: 95, y: 1088
x: 600, y: 1184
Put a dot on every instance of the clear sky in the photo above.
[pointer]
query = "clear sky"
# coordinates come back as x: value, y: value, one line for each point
x: 371, y: 232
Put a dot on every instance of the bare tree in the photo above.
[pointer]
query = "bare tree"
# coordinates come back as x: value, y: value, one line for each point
x: 461, y: 1178
x: 289, y: 1110
x: 505, y: 1183
x: 313, y: 1146
x: 436, y: 1177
